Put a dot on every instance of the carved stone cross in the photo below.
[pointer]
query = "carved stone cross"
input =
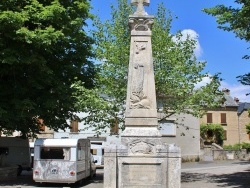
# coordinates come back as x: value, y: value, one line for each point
x: 140, y: 6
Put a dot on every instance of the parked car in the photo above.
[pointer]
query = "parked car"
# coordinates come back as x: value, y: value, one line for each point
x: 97, y: 151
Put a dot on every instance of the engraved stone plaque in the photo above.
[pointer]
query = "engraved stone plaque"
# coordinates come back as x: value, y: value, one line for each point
x: 142, y: 174
x: 146, y: 173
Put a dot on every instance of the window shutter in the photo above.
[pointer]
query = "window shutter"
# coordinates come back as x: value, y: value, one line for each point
x: 209, y: 118
x: 74, y: 126
x: 223, y: 118
x: 114, y: 128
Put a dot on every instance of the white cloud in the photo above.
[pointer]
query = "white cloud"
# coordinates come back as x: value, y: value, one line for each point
x: 195, y: 36
x: 237, y: 90
x: 203, y: 82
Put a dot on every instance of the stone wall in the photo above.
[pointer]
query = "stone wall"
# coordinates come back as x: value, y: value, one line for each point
x: 187, y: 136
x: 220, y: 154
x: 230, y: 154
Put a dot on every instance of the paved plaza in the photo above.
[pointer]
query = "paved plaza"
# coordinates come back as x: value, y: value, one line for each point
x: 228, y: 174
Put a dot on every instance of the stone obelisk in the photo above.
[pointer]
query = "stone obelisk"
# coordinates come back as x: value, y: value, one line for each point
x: 141, y: 112
x: 141, y: 159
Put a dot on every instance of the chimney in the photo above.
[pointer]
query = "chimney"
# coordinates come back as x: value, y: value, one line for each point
x: 236, y: 100
x: 226, y: 91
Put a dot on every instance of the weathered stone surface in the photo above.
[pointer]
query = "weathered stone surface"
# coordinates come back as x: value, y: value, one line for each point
x: 140, y: 132
x: 142, y: 172
x: 141, y: 97
x: 143, y: 162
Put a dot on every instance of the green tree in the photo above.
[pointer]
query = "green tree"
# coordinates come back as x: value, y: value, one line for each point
x: 235, y: 19
x: 177, y: 70
x: 248, y: 128
x: 43, y: 51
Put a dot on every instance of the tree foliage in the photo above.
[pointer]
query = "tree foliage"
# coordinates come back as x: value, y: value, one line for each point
x: 248, y: 128
x: 43, y: 50
x: 177, y: 70
x: 235, y: 19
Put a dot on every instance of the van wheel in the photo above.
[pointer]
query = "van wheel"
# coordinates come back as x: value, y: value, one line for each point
x: 19, y: 170
x: 39, y: 184
x: 79, y: 183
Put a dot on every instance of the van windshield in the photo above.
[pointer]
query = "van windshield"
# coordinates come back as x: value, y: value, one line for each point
x: 55, y: 153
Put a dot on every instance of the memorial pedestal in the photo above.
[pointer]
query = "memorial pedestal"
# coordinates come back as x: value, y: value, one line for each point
x: 142, y: 162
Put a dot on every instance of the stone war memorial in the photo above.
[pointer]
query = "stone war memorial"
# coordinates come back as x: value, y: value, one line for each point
x: 141, y: 159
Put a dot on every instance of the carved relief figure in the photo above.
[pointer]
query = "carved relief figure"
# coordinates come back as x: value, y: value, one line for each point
x: 138, y: 98
x: 141, y: 148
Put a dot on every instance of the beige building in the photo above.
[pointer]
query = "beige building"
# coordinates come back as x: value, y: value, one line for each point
x: 233, y: 116
x: 45, y: 132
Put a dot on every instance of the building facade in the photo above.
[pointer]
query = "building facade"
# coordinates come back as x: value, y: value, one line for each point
x: 181, y: 130
x: 233, y: 116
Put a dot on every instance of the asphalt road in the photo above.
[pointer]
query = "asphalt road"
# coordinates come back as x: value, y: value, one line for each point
x: 228, y: 174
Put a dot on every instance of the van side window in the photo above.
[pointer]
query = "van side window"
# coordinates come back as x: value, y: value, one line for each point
x: 54, y: 153
x: 4, y: 151
x: 80, y: 153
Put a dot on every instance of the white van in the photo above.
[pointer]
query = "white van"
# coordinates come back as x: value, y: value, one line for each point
x: 15, y: 151
x: 97, y: 150
x: 62, y: 160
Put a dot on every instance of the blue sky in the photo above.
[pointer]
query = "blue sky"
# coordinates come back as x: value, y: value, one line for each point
x: 221, y: 50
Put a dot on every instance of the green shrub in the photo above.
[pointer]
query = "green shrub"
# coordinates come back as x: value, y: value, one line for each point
x: 232, y: 147
x: 246, y: 146
x: 238, y: 147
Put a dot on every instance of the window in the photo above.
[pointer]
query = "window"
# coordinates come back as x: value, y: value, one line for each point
x: 223, y: 117
x: 41, y: 124
x: 168, y: 128
x: 4, y: 151
x: 42, y: 128
x: 102, y: 151
x: 93, y: 151
x: 114, y: 127
x: 225, y: 135
x: 55, y: 153
x: 209, y: 118
x: 80, y: 153
x: 74, y: 126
